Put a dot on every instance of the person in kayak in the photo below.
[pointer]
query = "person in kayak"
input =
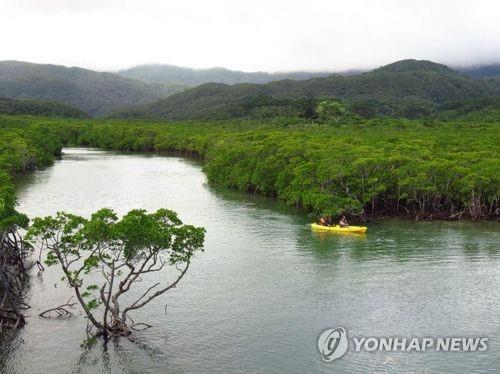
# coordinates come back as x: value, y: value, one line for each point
x: 343, y: 221
x: 325, y: 221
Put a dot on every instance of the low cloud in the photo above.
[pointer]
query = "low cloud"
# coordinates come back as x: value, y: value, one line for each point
x: 259, y: 35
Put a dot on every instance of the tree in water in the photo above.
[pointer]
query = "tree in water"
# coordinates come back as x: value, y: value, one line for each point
x: 104, y: 257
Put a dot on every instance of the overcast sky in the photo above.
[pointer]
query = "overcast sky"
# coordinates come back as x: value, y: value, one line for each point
x: 250, y: 35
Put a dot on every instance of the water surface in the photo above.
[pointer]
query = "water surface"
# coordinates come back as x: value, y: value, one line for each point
x: 266, y: 286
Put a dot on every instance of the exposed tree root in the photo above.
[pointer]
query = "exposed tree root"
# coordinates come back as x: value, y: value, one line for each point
x: 13, y: 274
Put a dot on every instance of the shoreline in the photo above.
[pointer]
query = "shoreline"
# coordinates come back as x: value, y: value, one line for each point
x: 196, y: 156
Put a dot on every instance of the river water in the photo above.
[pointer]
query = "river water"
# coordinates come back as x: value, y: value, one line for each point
x: 266, y: 286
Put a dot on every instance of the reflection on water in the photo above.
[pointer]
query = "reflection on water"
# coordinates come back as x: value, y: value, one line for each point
x: 266, y: 285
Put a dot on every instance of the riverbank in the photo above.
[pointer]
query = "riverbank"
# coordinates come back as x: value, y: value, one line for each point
x: 411, y: 169
x: 263, y: 276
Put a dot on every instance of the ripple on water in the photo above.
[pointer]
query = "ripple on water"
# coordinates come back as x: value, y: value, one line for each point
x: 266, y: 285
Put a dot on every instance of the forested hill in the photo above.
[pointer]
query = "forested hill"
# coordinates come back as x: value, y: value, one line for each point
x: 405, y: 88
x: 40, y: 108
x: 92, y: 92
x: 171, y: 74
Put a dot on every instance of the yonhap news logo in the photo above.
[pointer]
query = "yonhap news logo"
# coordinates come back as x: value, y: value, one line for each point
x: 333, y: 343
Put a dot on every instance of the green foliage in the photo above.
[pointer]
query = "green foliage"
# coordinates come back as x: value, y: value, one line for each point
x: 104, y: 238
x: 120, y: 252
x: 483, y: 110
x: 369, y: 167
x: 23, y: 146
x: 330, y: 110
x: 9, y: 218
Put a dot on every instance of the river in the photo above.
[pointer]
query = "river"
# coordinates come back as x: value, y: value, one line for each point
x: 266, y: 286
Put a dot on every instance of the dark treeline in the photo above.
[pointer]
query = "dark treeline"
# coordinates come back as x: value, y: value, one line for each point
x: 264, y: 107
x: 40, y: 108
x: 421, y: 169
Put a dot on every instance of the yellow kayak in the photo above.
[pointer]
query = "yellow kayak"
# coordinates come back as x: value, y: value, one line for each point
x: 337, y: 228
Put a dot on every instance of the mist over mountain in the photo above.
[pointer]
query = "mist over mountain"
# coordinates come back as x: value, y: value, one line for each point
x: 98, y: 93
x: 487, y: 70
x: 222, y: 93
x: 171, y: 74
x: 394, y: 89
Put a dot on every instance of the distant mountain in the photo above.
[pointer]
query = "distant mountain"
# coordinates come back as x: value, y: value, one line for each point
x: 90, y: 91
x: 415, y: 66
x: 406, y: 88
x: 39, y: 108
x: 483, y: 71
x: 188, y: 77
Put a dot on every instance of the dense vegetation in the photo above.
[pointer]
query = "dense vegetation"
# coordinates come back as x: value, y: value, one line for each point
x: 92, y: 92
x: 363, y: 168
x: 408, y: 89
x: 24, y: 146
x: 367, y: 168
x: 21, y: 149
x: 40, y: 108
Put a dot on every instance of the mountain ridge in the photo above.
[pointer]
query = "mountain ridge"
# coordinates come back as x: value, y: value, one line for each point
x: 407, y: 82
x: 93, y: 92
x: 102, y: 93
x: 166, y: 73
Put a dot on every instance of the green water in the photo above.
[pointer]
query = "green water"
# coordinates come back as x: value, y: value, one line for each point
x: 266, y: 286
